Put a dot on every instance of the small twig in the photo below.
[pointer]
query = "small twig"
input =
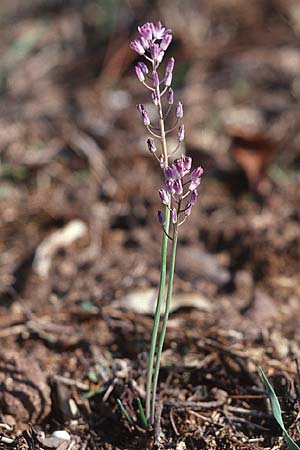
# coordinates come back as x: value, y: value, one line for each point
x: 70, y: 382
x: 157, y: 428
x: 172, y: 420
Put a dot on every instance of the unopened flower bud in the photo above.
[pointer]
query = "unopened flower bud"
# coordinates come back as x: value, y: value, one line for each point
x: 169, y: 72
x: 167, y: 39
x: 163, y: 196
x: 170, y: 96
x: 154, y: 98
x: 178, y: 187
x: 188, y: 209
x: 146, y: 119
x: 180, y: 133
x: 139, y: 73
x: 170, y: 186
x: 137, y: 46
x: 161, y: 217
x: 194, y: 197
x: 140, y: 108
x: 143, y: 67
x: 151, y: 145
x: 179, y: 110
x: 155, y: 78
x: 197, y: 173
x: 174, y: 215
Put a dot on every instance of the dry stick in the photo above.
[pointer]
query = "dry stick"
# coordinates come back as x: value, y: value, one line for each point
x: 163, y: 272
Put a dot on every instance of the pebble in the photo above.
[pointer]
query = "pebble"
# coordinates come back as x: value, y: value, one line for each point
x: 61, y: 434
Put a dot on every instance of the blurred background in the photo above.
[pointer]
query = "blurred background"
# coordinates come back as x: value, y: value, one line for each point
x: 78, y: 188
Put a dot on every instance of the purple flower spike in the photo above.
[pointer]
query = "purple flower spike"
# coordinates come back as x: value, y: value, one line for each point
x: 187, y: 160
x: 167, y: 39
x: 161, y: 217
x: 155, y: 78
x: 180, y: 134
x: 137, y: 46
x: 139, y: 73
x: 163, y: 196
x: 151, y: 145
x: 197, y: 173
x: 178, y: 187
x: 194, y: 197
x: 170, y: 186
x: 170, y: 96
x: 179, y: 110
x: 169, y: 72
x: 146, y: 119
x: 194, y: 184
x: 174, y: 215
x: 143, y: 67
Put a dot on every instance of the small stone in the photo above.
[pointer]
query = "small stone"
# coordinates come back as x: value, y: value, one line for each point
x: 61, y: 434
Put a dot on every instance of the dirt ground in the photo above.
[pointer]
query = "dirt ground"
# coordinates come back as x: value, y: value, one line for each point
x: 80, y: 243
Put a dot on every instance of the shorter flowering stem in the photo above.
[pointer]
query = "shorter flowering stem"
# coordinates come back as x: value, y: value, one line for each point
x: 164, y: 324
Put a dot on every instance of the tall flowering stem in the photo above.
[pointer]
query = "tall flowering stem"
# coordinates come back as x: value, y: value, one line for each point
x: 180, y: 192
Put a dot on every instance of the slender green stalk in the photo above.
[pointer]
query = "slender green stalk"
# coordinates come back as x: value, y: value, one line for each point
x: 125, y: 413
x: 164, y: 324
x: 142, y: 414
x: 163, y: 270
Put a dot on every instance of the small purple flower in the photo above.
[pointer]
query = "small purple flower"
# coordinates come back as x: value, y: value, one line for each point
x: 197, y: 173
x: 146, y: 119
x: 174, y: 215
x: 140, y: 108
x: 151, y: 145
x: 178, y: 187
x: 188, y: 209
x: 159, y: 31
x: 154, y: 98
x: 170, y: 96
x: 170, y: 186
x: 161, y: 217
x: 155, y: 78
x: 194, y: 197
x: 144, y: 43
x: 179, y: 164
x: 163, y: 196
x: 194, y: 184
x: 143, y: 67
x: 171, y: 172
x: 167, y: 39
x: 187, y: 160
x: 179, y: 110
x: 146, y: 31
x: 137, y: 46
x: 180, y: 133
x: 169, y: 72
x: 139, y: 73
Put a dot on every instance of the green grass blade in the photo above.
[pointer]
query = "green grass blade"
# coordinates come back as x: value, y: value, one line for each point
x: 125, y: 413
x: 276, y: 409
x: 142, y: 413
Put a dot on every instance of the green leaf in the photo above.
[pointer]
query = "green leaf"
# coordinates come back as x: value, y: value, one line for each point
x: 276, y: 409
x: 124, y: 412
x: 142, y: 413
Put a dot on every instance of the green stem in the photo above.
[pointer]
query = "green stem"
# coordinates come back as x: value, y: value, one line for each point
x: 164, y: 324
x: 162, y: 282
